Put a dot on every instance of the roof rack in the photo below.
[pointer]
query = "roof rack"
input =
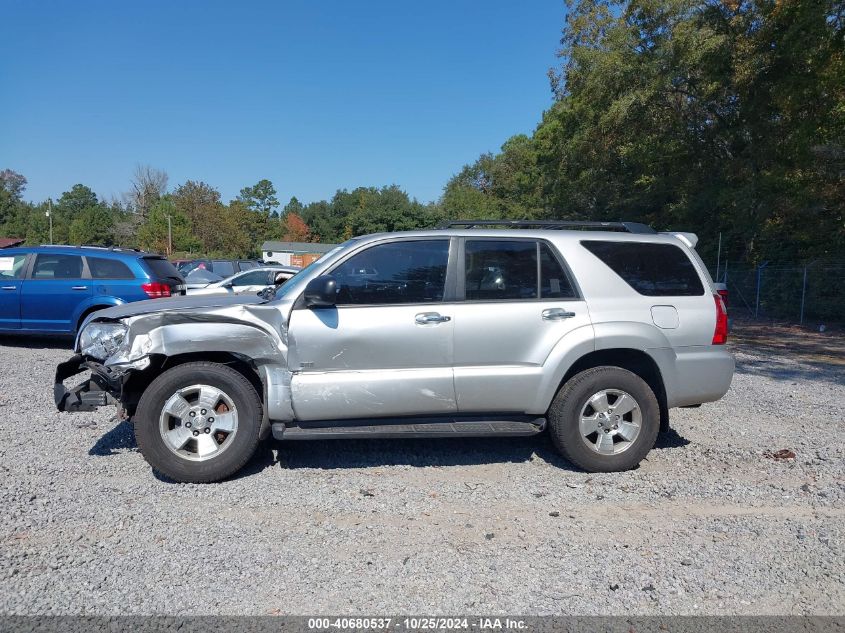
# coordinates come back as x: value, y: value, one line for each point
x: 98, y: 246
x: 630, y: 227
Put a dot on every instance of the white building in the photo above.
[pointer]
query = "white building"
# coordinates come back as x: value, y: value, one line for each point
x: 293, y: 253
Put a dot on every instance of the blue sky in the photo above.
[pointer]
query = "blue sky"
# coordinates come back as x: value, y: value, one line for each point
x: 316, y: 96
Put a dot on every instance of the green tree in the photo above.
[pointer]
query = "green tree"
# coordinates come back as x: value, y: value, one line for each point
x: 261, y: 197
x: 12, y: 186
x: 94, y: 226
x: 705, y: 116
x: 152, y: 234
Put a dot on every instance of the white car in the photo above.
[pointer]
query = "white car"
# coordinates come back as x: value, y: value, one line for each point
x: 247, y: 281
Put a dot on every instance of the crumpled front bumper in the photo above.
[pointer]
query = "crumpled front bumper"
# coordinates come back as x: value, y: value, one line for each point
x: 101, y: 389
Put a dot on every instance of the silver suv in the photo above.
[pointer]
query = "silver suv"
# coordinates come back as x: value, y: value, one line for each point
x: 594, y: 330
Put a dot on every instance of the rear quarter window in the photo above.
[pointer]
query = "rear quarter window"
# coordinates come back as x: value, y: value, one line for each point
x: 653, y: 270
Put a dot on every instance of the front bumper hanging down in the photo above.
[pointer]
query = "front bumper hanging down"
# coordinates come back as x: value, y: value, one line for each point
x: 102, y: 388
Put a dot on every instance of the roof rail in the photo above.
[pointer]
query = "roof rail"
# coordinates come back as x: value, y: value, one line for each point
x: 630, y: 227
x: 98, y: 246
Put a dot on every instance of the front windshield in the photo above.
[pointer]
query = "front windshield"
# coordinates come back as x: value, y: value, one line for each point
x: 296, y: 283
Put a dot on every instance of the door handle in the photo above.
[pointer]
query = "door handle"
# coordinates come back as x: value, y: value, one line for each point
x: 556, y: 314
x: 425, y: 318
x: 79, y: 288
x: 10, y: 287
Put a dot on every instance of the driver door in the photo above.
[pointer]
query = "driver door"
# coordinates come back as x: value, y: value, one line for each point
x: 385, y: 349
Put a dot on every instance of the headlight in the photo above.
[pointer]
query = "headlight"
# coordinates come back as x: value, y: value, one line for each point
x: 101, y: 340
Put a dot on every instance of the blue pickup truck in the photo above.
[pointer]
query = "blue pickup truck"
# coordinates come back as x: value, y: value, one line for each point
x: 51, y: 289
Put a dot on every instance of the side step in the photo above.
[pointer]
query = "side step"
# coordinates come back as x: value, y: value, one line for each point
x: 466, y: 426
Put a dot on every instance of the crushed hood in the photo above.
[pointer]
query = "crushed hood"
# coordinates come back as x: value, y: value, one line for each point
x: 175, y: 304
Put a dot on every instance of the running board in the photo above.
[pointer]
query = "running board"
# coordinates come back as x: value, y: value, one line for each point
x: 469, y: 426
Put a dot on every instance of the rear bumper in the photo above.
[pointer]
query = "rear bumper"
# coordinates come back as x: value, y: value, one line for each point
x: 101, y: 389
x: 694, y: 375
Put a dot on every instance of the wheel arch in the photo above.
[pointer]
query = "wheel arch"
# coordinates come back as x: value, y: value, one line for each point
x: 89, y: 308
x: 634, y: 360
x: 138, y: 381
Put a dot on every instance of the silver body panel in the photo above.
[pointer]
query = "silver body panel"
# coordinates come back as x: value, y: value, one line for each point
x: 348, y: 362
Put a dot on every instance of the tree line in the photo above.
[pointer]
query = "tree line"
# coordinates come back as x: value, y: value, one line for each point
x: 193, y: 218
x: 712, y: 116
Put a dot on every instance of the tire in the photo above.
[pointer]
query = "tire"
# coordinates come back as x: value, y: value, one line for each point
x: 233, y: 421
x: 623, y: 446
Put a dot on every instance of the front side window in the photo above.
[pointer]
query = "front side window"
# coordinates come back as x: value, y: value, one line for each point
x: 57, y: 267
x: 397, y: 272
x: 12, y: 266
x: 501, y: 269
x: 253, y: 278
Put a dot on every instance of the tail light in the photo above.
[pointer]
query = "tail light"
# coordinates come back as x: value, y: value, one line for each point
x: 720, y: 335
x: 724, y: 294
x: 156, y: 290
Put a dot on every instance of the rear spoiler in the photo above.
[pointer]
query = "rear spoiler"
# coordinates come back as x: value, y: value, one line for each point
x: 690, y: 239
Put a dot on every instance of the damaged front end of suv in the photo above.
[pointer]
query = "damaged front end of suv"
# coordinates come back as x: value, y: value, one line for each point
x: 126, y: 347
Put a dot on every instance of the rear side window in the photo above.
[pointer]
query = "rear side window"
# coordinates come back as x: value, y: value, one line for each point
x: 554, y: 282
x: 500, y: 269
x: 57, y: 267
x: 653, y: 270
x: 108, y: 269
x: 507, y: 269
x: 162, y: 268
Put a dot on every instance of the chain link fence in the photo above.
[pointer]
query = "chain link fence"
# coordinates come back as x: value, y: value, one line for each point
x: 813, y: 293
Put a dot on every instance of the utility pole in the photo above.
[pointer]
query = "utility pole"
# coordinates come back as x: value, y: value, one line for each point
x: 719, y: 257
x: 169, y: 237
x: 49, y: 214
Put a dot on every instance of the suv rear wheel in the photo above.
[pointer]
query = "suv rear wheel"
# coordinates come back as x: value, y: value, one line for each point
x: 604, y: 419
x: 198, y: 422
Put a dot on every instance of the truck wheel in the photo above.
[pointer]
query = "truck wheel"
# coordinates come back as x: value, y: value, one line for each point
x: 198, y: 422
x: 604, y: 419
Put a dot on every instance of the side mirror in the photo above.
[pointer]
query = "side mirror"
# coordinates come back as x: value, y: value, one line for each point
x: 228, y: 285
x: 321, y: 292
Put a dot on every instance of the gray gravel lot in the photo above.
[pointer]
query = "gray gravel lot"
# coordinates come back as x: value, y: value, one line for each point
x: 707, y: 525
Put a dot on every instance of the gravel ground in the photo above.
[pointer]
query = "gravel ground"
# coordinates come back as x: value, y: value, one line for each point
x: 707, y: 525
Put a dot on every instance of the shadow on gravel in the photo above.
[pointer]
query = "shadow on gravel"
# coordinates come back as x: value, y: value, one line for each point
x: 419, y: 453
x: 670, y: 439
x: 340, y: 454
x: 120, y: 437
x: 37, y: 342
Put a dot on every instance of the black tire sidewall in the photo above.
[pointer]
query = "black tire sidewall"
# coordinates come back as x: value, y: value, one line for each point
x: 565, y: 413
x: 245, y: 440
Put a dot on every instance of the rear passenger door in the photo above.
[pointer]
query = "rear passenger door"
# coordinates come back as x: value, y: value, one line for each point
x: 53, y: 292
x: 12, y: 270
x: 519, y: 302
x: 113, y: 280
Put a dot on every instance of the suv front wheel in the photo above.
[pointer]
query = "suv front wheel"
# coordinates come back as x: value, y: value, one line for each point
x: 604, y: 419
x: 198, y: 422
